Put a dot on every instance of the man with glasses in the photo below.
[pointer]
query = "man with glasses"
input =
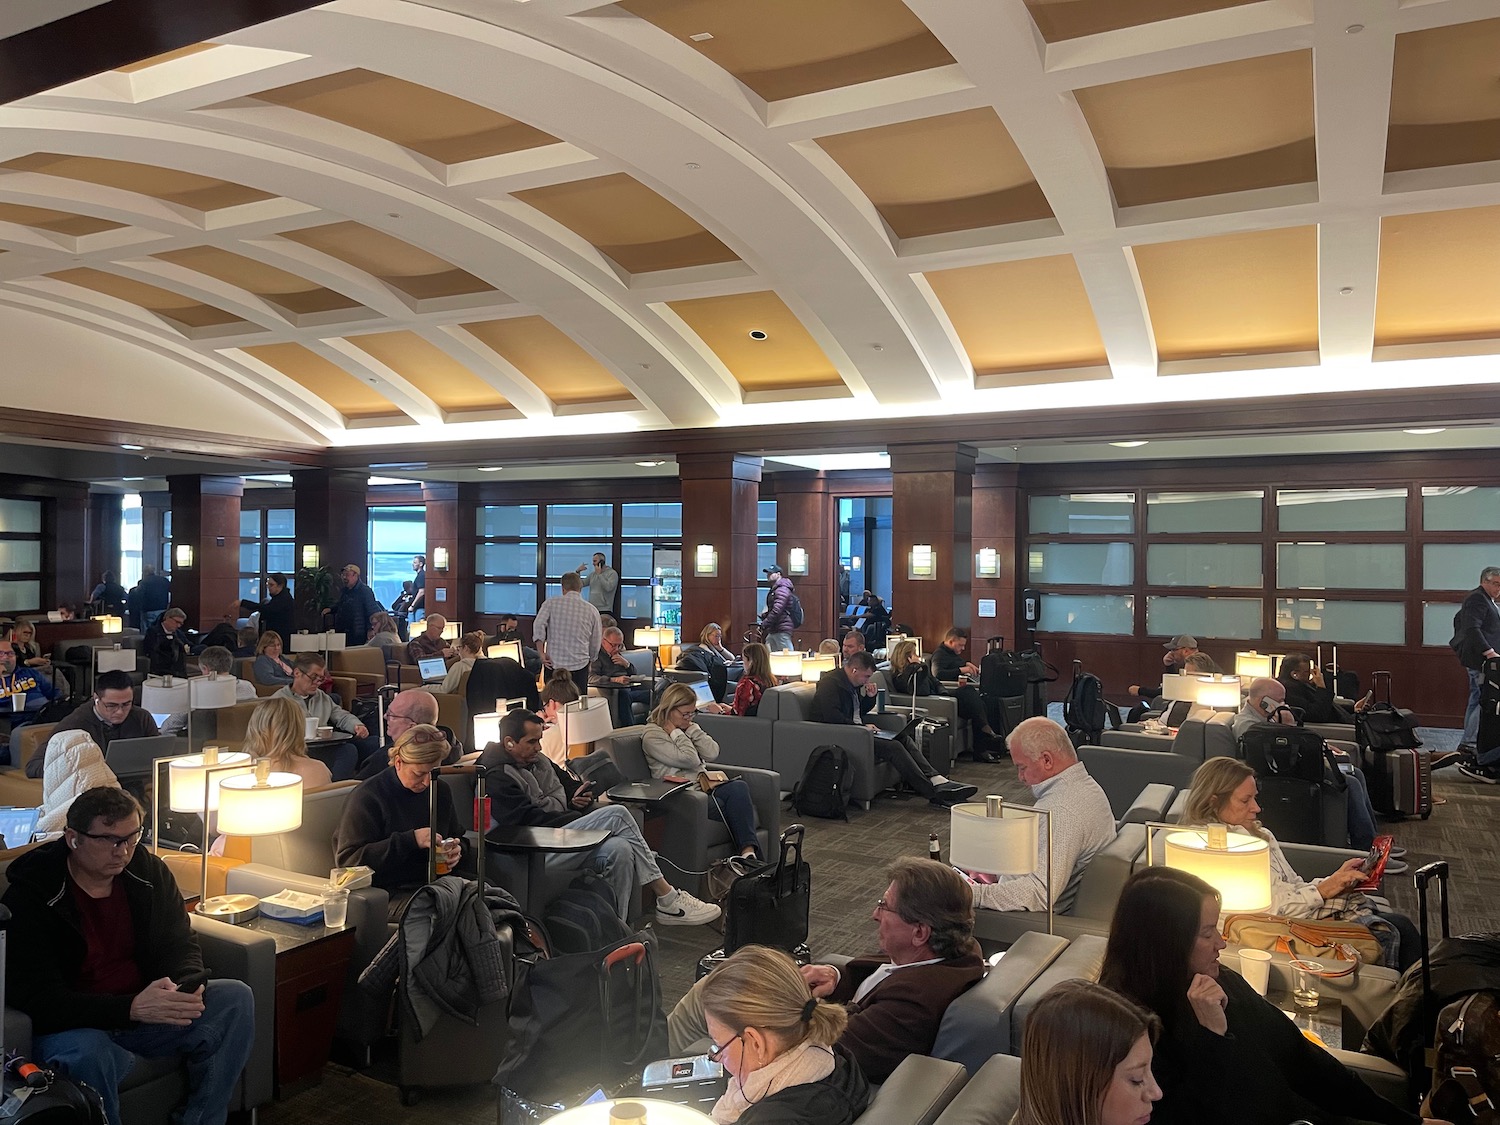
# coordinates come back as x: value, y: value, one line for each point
x: 109, y: 715
x: 23, y: 693
x: 100, y: 944
x: 612, y: 674
x: 342, y: 759
x: 410, y: 708
x: 896, y: 1000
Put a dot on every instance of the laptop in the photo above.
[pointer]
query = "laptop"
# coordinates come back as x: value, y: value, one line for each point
x: 892, y: 735
x: 132, y: 757
x: 433, y: 669
x: 17, y: 826
x: 704, y: 691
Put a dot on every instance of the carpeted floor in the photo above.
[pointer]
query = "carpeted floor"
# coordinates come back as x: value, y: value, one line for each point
x: 848, y: 862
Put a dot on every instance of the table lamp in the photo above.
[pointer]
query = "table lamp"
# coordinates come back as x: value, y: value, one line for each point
x: 261, y: 803
x: 1218, y: 693
x: 1180, y: 688
x: 786, y: 665
x: 1251, y: 665
x: 486, y: 728
x: 632, y: 1111
x: 452, y: 630
x: 1235, y: 864
x: 661, y: 638
x: 813, y: 667
x: 894, y: 639
x: 585, y: 721
x: 192, y: 787
x: 511, y: 649
x: 109, y: 623
x: 998, y: 838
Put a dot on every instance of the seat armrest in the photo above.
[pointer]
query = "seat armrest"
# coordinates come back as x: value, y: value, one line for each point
x: 1136, y: 740
x: 1384, y: 1077
x: 235, y: 954
x: 916, y: 1093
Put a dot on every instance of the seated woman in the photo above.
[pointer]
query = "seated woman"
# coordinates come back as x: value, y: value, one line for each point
x: 712, y: 638
x: 755, y: 681
x: 275, y: 732
x: 383, y: 634
x: 1086, y: 1059
x: 269, y: 669
x: 75, y: 764
x: 1225, y: 1054
x: 828, y: 647
x: 470, y: 648
x: 779, y: 1045
x: 710, y: 657
x: 1224, y: 791
x: 387, y: 823
x: 674, y: 745
x: 909, y: 675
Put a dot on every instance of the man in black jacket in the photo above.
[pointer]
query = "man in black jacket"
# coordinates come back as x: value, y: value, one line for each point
x: 279, y: 612
x: 1307, y: 694
x: 99, y: 946
x: 165, y: 645
x: 1476, y: 638
x: 844, y: 697
x: 356, y: 604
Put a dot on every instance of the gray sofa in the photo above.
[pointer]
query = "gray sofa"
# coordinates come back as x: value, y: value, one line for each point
x: 916, y: 1093
x: 990, y: 1097
x: 938, y: 707
x: 1126, y: 760
x: 744, y: 740
x: 794, y: 737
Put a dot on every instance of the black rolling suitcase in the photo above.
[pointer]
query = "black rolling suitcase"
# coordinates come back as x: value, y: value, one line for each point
x: 1489, y: 707
x: 1003, y: 684
x: 1398, y: 776
x: 769, y: 906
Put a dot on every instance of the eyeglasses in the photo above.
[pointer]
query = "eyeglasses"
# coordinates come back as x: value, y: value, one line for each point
x: 117, y: 842
x: 105, y: 705
x: 881, y: 907
x: 716, y: 1052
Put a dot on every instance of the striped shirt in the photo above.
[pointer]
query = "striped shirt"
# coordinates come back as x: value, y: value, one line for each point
x: 571, y: 630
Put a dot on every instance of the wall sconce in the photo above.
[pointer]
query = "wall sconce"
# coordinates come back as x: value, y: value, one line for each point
x: 440, y: 558
x: 706, y: 561
x: 921, y: 563
x: 310, y: 556
x: 854, y: 563
x: 796, y: 561
x: 987, y: 563
x: 183, y: 554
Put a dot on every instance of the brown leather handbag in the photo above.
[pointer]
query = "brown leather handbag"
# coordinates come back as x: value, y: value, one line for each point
x: 1342, y: 943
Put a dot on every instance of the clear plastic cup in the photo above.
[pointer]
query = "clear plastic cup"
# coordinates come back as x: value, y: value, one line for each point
x: 335, y: 907
x: 1305, y: 979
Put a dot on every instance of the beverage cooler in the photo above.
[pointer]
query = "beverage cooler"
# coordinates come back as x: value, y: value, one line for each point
x: 666, y: 587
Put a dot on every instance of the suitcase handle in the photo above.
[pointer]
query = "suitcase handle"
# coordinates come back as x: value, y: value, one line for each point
x: 1438, y: 869
x: 635, y: 951
x: 791, y: 847
x: 1378, y: 678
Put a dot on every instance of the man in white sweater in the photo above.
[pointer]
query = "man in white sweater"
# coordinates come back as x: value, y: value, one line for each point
x: 1082, y: 822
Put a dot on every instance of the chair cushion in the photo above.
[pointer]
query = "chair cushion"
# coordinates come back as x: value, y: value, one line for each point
x: 1218, y: 737
x: 794, y: 702
x: 990, y: 1097
x: 624, y: 746
x: 1105, y: 875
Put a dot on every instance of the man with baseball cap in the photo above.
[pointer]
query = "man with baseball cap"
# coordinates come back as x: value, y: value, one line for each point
x: 1179, y: 648
x: 777, y: 621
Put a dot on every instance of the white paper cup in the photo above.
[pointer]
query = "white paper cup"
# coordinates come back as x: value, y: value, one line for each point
x: 312, y: 728
x: 1255, y: 967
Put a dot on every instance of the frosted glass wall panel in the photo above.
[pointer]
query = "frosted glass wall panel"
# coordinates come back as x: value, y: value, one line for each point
x: 1348, y: 566
x: 1456, y: 566
x: 582, y: 521
x: 635, y: 601
x: 505, y: 597
x: 1437, y: 622
x: 16, y: 597
x: 1462, y: 508
x: 1081, y: 564
x: 1341, y: 509
x: 24, y: 517
x: 506, y: 559
x: 651, y: 521
x: 1088, y: 613
x: 1191, y: 512
x: 1204, y: 564
x: 1083, y: 513
x: 765, y: 517
x: 1324, y: 621
x: 563, y: 557
x: 1231, y: 618
x: 635, y: 560
x: 20, y: 556
x: 506, y: 520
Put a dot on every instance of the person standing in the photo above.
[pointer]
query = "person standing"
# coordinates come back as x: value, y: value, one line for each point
x: 568, y: 632
x: 156, y: 596
x: 1476, y: 638
x: 417, y: 607
x: 356, y: 604
x: 776, y: 621
x: 602, y: 583
x: 278, y: 613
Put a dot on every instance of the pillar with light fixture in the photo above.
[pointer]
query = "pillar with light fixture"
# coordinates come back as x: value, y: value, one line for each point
x: 310, y: 556
x: 796, y: 562
x: 205, y: 557
x: 720, y: 493
x: 440, y: 558
x: 705, y: 561
x: 932, y: 486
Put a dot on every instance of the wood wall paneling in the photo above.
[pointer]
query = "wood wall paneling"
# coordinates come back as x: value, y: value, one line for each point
x: 457, y: 581
x: 333, y: 513
x: 996, y: 493
x: 805, y: 518
x: 206, y: 515
x: 932, y: 503
x: 103, y: 537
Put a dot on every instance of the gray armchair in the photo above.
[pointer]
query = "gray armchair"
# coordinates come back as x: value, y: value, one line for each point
x: 977, y: 1024
x: 1127, y: 760
x: 1082, y: 960
x: 916, y: 1093
x: 743, y: 740
x: 937, y: 707
x: 990, y: 1097
x: 794, y: 737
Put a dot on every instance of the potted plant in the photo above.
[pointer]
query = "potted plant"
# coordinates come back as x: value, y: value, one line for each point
x: 316, y: 591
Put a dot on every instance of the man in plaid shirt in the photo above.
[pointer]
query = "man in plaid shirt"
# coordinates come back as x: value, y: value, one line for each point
x: 568, y: 632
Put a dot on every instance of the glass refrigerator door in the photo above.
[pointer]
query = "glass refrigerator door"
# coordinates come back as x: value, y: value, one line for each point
x: 666, y: 587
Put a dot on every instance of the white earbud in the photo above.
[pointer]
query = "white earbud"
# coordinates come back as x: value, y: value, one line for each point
x: 72, y: 843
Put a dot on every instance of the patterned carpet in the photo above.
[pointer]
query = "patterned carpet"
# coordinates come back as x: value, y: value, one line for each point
x: 848, y: 862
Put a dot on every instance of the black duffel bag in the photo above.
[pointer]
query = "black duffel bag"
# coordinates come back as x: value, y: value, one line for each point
x: 1383, y: 727
x: 1276, y: 750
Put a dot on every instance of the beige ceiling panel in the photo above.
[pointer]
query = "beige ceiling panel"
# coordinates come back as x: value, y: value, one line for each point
x: 1438, y: 279
x: 166, y: 57
x: 202, y: 193
x: 290, y: 292
x: 327, y: 381
x: 787, y: 359
x: 1028, y: 315
x: 959, y: 171
x: 1445, y: 97
x: 560, y: 368
x: 58, y: 222
x: 164, y: 303
x: 628, y: 223
x: 1072, y: 19
x: 412, y: 270
x: 1234, y: 294
x: 784, y: 48
x: 1230, y: 127
x: 437, y: 125
x: 431, y: 370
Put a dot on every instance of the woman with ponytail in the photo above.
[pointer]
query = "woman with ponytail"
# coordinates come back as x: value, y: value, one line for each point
x: 778, y: 1044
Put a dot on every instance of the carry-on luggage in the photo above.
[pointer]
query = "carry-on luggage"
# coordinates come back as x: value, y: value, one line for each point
x: 1013, y: 685
x: 1085, y: 710
x: 769, y: 906
x: 1293, y: 808
x: 1397, y: 775
x: 1489, y: 707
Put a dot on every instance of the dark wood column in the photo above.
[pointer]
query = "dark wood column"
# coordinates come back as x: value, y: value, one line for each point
x: 804, y: 518
x: 996, y: 492
x: 206, y: 515
x: 932, y: 503
x: 104, y: 537
x: 720, y: 492
x: 450, y: 591
x: 332, y: 515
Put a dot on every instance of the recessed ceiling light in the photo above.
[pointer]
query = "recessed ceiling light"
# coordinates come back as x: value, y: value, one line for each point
x: 132, y: 447
x: 701, y: 37
x: 650, y: 464
x: 490, y: 468
x: 1426, y: 431
x: 757, y: 334
x: 1128, y: 444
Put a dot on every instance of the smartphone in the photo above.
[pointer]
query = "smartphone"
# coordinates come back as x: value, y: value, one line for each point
x: 584, y: 787
x: 193, y: 981
x: 1268, y: 705
x: 1372, y: 859
x: 1368, y: 699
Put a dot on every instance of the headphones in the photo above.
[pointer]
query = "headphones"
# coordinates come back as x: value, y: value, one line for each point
x: 73, y: 843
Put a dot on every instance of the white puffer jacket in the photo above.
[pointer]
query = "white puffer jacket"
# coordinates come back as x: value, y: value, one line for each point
x: 75, y: 764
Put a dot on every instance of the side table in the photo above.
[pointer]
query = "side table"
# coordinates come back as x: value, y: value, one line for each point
x: 312, y: 964
x: 1326, y: 1021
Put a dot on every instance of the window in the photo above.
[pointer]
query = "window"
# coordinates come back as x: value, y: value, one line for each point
x: 517, y: 520
x: 1437, y: 622
x: 1083, y: 513
x: 397, y: 534
x: 1456, y: 566
x: 267, y: 546
x: 865, y: 544
x: 1232, y: 565
x: 1230, y: 618
x: 130, y: 539
x: 1348, y: 566
x: 580, y: 521
x: 166, y: 543
x: 1088, y: 613
x: 20, y: 556
x: 1460, y: 508
x: 1081, y: 564
x: 765, y: 545
x: 1343, y: 622
x: 1341, y: 509
x: 1197, y: 513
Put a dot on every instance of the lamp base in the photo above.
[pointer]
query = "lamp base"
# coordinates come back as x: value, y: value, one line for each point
x: 233, y: 909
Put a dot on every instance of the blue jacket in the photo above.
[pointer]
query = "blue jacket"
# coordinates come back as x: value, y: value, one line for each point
x: 39, y: 690
x: 351, y: 615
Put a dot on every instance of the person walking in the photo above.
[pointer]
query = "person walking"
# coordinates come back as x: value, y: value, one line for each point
x: 1476, y: 638
x: 777, y: 621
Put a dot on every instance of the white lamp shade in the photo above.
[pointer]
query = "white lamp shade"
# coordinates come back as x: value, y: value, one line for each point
x: 1252, y: 664
x: 999, y: 845
x: 452, y: 630
x: 511, y: 649
x: 1180, y: 687
x: 657, y: 1113
x: 786, y: 664
x: 654, y: 637
x: 587, y: 720
x: 1240, y: 872
x: 486, y: 729
x: 813, y: 667
x: 110, y: 624
x: 207, y: 694
x: 185, y: 779
x: 114, y: 659
x: 1221, y: 694
x: 167, y: 696
x: 316, y: 642
x: 248, y: 809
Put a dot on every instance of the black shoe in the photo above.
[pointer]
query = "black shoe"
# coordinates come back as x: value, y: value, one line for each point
x: 955, y: 791
x: 1490, y: 775
x: 988, y: 757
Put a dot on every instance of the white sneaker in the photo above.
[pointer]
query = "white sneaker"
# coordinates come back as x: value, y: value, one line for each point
x: 686, y: 911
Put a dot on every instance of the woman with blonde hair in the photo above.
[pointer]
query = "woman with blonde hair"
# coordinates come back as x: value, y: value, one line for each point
x: 383, y: 633
x: 910, y: 676
x: 1224, y: 791
x: 269, y: 668
x: 755, y: 681
x: 470, y: 648
x: 1086, y: 1059
x: 779, y: 1045
x: 676, y: 746
x: 276, y: 731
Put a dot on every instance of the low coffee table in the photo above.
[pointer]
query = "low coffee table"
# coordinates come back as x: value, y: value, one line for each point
x: 1326, y: 1021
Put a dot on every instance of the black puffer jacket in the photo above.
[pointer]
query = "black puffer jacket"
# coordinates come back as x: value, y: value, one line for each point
x: 835, y: 1100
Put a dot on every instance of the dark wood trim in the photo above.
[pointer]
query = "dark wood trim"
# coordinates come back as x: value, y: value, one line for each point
x: 111, y: 434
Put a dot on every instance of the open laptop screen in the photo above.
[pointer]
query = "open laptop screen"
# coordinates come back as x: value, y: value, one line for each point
x: 433, y: 668
x: 18, y: 825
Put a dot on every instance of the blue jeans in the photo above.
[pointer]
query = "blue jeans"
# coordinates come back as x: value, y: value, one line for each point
x: 779, y: 642
x: 730, y: 805
x: 624, y: 860
x: 1362, y: 828
x: 217, y: 1045
x: 1471, y: 713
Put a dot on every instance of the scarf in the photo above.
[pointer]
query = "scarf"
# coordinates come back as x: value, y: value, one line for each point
x: 802, y: 1064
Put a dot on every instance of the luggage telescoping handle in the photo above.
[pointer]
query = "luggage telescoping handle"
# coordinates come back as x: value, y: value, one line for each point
x: 480, y: 773
x: 791, y: 847
x: 1438, y: 870
x: 1376, y: 680
x: 995, y: 644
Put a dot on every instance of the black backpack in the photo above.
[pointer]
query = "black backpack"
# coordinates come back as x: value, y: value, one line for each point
x: 794, y: 611
x: 1084, y: 708
x: 583, y: 917
x: 823, y: 789
x: 1277, y: 750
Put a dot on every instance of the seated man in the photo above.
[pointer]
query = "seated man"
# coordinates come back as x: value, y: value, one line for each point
x: 1307, y: 693
x: 896, y: 1000
x: 854, y: 641
x: 508, y: 628
x: 1082, y: 822
x: 216, y: 662
x: 1173, y: 661
x: 429, y: 642
x: 343, y: 759
x: 527, y: 789
x: 109, y: 715
x: 410, y: 708
x: 99, y: 944
x: 165, y: 645
x: 23, y: 691
x: 845, y: 695
x: 611, y: 673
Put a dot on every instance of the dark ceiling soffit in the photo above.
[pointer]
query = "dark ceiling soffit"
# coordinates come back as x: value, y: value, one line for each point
x: 107, y: 434
x: 119, y: 33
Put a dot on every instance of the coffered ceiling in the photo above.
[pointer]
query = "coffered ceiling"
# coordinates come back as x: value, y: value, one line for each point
x: 392, y: 223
